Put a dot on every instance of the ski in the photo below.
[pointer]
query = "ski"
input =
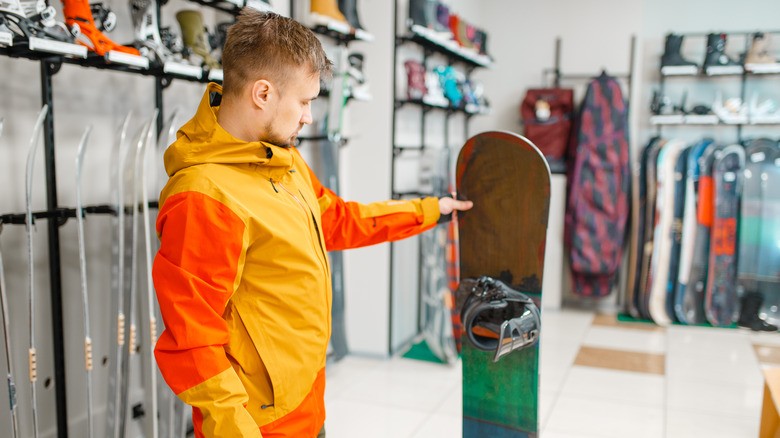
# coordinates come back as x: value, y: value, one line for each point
x: 129, y: 294
x: 141, y: 185
x: 175, y: 414
x: 83, y: 271
x: 8, y: 357
x: 118, y: 155
x: 31, y: 353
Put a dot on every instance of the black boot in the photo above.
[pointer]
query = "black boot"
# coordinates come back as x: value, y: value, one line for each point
x: 349, y: 9
x: 672, y: 56
x: 748, y: 316
x: 716, y: 52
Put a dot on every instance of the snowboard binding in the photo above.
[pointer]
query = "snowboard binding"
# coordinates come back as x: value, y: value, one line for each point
x: 148, y: 38
x: 26, y: 19
x: 498, y: 318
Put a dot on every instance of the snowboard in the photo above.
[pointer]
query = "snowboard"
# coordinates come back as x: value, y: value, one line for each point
x: 758, y: 162
x: 693, y: 299
x: 638, y: 204
x: 662, y: 233
x: 502, y: 243
x: 650, y: 164
x: 721, y: 301
x: 688, y: 237
x: 680, y: 169
x: 768, y: 278
x: 436, y: 296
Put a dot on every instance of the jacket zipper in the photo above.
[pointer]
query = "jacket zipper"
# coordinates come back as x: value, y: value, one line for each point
x: 316, y: 228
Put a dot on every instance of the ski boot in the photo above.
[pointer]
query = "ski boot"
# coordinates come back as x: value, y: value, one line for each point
x: 356, y: 80
x: 195, y: 36
x: 758, y: 59
x: 499, y: 319
x: 717, y: 62
x: 79, y: 13
x: 415, y: 73
x: 26, y: 19
x: 672, y: 62
x: 349, y: 9
x: 749, y: 317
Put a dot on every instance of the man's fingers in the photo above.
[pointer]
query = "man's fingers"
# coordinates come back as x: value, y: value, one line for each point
x: 462, y: 205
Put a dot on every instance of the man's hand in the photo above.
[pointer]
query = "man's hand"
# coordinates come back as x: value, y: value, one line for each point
x: 447, y: 205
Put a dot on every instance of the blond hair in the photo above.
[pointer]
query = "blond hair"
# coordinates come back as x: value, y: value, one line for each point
x: 265, y: 45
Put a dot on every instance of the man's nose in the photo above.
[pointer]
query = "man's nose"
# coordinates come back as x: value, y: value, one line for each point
x: 306, y: 117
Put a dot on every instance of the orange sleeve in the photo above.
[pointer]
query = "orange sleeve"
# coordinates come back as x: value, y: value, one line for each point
x: 194, y: 275
x: 353, y: 225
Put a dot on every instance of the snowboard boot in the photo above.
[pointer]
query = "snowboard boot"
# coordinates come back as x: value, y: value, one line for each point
x: 672, y: 56
x: 748, y: 316
x: 759, y: 50
x: 415, y: 73
x: 716, y: 52
x: 79, y: 12
x: 435, y: 93
x: 326, y: 10
x: 356, y: 79
x: 449, y: 82
x: 443, y: 18
x: 418, y: 13
x: 349, y: 9
x: 195, y: 36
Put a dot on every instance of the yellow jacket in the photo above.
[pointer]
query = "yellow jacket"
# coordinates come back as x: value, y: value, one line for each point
x: 242, y: 275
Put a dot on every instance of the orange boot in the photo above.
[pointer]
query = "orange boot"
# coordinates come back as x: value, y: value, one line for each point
x: 327, y: 8
x: 78, y: 12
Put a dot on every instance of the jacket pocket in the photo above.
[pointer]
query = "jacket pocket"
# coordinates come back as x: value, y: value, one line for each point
x: 244, y: 356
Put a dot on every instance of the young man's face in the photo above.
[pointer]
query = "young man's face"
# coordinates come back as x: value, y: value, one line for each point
x: 293, y: 107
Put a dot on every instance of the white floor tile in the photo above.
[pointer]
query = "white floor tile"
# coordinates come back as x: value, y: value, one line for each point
x: 441, y: 426
x: 732, y: 368
x: 613, y: 385
x: 765, y: 338
x: 683, y: 423
x: 715, y: 397
x: 585, y: 416
x: 555, y: 360
x: 453, y: 403
x: 618, y: 338
x: 353, y: 419
x: 547, y: 401
x: 564, y: 326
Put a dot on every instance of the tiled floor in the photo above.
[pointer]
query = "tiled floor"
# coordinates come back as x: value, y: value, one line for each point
x: 598, y: 378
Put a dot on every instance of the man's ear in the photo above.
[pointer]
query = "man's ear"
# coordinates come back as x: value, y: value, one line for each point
x: 261, y: 91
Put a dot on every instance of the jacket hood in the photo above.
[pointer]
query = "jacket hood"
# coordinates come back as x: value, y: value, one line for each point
x: 203, y: 141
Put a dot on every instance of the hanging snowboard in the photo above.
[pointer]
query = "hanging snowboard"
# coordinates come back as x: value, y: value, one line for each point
x: 503, y: 236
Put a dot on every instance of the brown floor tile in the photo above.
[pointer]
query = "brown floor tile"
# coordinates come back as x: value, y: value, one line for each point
x: 767, y: 353
x: 621, y: 360
x: 610, y: 320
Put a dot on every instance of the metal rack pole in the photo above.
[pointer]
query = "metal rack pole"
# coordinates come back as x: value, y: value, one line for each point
x: 48, y: 69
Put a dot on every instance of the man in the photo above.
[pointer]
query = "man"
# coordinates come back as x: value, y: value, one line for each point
x: 242, y: 274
